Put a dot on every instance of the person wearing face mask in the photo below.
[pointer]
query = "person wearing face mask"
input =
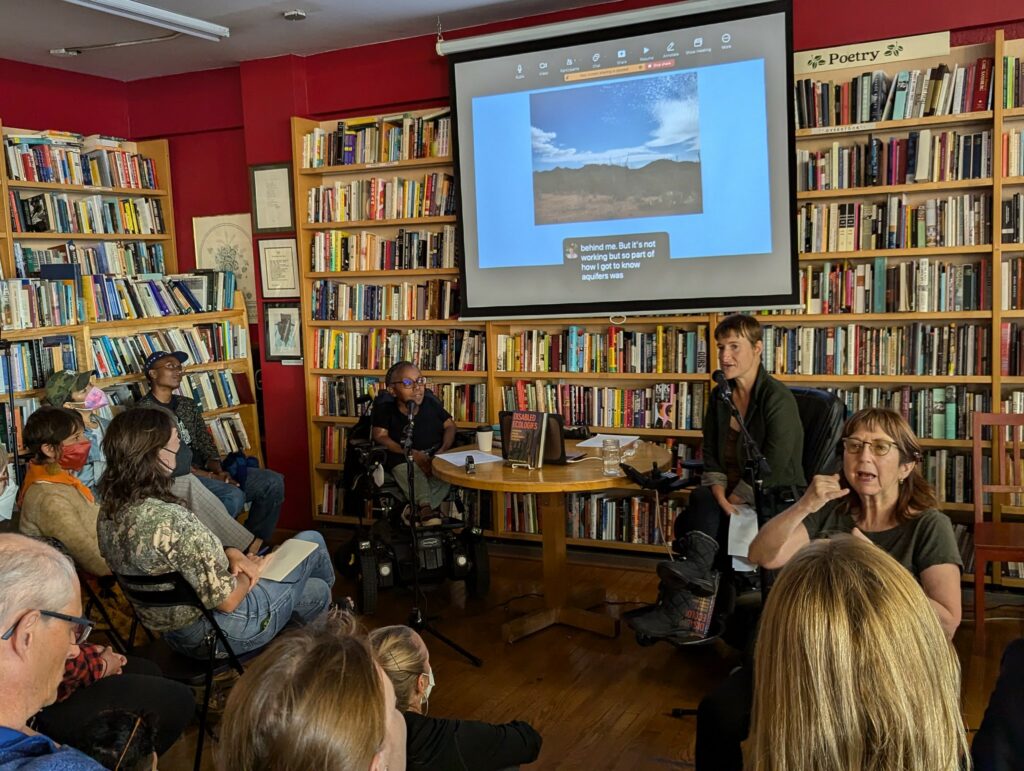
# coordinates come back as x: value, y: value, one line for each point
x: 144, y: 530
x: 54, y: 502
x: 75, y: 391
x: 440, y: 744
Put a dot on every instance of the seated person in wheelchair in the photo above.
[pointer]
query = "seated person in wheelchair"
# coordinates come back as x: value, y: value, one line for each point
x: 771, y: 416
x: 145, y: 531
x: 433, y: 432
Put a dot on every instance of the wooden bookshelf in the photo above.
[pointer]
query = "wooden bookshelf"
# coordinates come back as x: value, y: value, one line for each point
x: 83, y: 333
x: 991, y: 384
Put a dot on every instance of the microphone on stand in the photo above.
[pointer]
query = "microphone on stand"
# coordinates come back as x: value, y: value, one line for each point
x: 724, y: 389
x: 410, y: 407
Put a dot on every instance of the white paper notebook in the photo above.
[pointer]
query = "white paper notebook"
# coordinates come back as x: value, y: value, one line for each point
x: 285, y: 558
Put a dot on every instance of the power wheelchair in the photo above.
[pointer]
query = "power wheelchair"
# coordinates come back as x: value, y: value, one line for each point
x: 381, y: 554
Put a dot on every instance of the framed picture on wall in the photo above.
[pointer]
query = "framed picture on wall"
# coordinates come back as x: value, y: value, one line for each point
x: 282, y: 331
x: 271, y: 187
x: 279, y: 267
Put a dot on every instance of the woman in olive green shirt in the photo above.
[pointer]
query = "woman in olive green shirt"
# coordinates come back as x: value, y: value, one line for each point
x: 882, y: 497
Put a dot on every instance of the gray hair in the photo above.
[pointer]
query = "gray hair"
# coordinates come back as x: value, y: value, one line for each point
x: 33, y: 576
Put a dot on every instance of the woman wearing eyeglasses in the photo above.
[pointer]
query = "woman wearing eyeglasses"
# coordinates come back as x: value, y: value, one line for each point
x: 433, y: 432
x: 880, y: 496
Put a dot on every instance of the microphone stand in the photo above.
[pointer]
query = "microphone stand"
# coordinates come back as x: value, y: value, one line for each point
x: 417, y: 620
x: 757, y: 469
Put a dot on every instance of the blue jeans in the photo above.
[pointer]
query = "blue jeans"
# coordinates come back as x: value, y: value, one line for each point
x: 303, y: 595
x: 264, y: 489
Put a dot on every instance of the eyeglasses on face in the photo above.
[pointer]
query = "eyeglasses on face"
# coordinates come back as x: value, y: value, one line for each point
x: 409, y: 382
x: 879, y: 447
x: 83, y: 626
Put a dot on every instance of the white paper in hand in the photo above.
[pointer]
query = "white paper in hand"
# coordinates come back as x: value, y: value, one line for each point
x: 286, y: 558
x: 742, y: 529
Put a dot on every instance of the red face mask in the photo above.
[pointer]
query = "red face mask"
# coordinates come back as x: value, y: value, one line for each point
x: 74, y: 456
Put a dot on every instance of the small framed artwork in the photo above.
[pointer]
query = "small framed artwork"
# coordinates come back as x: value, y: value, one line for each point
x: 271, y: 187
x: 283, y: 331
x: 279, y: 267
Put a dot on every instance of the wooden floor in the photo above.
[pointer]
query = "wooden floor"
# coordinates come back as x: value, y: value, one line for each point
x: 599, y: 703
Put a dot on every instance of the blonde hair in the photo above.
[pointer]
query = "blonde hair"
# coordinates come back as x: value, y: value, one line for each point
x: 403, y: 657
x: 314, y: 699
x: 852, y: 670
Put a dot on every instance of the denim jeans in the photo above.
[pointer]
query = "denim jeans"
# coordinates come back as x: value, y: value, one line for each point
x: 303, y: 595
x: 264, y: 489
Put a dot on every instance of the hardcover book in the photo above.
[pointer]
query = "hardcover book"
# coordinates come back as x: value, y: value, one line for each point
x: 525, y: 441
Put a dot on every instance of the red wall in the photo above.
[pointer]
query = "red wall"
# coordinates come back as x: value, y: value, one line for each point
x: 219, y: 122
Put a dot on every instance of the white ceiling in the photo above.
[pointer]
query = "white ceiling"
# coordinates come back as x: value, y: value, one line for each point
x: 30, y: 28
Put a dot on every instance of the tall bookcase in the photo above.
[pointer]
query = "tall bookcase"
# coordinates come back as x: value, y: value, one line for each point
x: 984, y: 386
x: 83, y: 332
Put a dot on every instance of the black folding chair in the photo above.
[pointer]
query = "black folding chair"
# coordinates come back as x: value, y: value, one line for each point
x: 168, y: 590
x: 94, y: 601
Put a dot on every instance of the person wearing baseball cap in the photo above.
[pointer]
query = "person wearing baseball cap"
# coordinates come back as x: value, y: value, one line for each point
x: 263, y: 488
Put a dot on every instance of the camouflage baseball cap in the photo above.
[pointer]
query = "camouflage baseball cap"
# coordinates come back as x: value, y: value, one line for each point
x: 60, y: 385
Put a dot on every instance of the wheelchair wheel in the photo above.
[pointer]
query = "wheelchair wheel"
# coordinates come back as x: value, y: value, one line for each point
x: 478, y: 582
x: 346, y: 558
x: 367, y: 584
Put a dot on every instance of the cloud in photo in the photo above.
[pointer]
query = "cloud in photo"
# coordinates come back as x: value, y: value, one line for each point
x: 633, y: 122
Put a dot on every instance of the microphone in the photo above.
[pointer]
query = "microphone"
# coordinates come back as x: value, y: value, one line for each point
x: 724, y: 389
x: 410, y: 407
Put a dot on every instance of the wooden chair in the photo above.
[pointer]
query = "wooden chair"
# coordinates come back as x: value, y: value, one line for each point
x: 995, y: 541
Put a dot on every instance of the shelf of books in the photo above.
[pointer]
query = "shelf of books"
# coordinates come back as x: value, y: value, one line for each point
x: 911, y: 237
x: 375, y: 207
x: 89, y: 280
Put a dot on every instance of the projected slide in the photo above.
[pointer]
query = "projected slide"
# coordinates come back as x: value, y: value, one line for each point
x: 637, y: 153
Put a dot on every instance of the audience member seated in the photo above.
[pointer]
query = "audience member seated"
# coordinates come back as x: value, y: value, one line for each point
x: 264, y: 488
x: 770, y: 413
x: 439, y: 744
x: 433, y: 432
x: 40, y: 628
x: 75, y: 391
x: 144, y: 530
x: 101, y: 679
x: 881, y: 497
x: 852, y: 669
x: 54, y: 503
x: 316, y: 699
x: 999, y: 743
x: 121, y: 740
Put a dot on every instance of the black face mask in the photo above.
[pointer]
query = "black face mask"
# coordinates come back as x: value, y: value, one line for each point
x: 182, y: 461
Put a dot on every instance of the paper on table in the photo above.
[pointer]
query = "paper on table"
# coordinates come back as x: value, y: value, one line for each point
x: 598, y: 439
x: 459, y: 458
x: 285, y: 558
x: 742, y: 529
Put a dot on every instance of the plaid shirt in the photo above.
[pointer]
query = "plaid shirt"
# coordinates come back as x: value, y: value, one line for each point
x: 86, y: 668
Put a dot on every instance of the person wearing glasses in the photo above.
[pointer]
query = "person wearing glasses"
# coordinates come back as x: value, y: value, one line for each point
x: 433, y: 433
x: 263, y: 488
x: 42, y: 627
x: 880, y: 496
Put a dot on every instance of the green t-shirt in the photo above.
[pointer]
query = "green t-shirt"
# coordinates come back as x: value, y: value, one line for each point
x: 918, y: 544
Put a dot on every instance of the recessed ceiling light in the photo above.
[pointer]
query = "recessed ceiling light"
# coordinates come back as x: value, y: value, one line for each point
x: 296, y: 14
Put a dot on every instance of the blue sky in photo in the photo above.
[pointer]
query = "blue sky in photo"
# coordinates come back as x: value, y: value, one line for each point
x: 633, y: 121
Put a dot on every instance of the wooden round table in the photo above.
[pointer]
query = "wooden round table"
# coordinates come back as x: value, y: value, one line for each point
x: 550, y: 484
